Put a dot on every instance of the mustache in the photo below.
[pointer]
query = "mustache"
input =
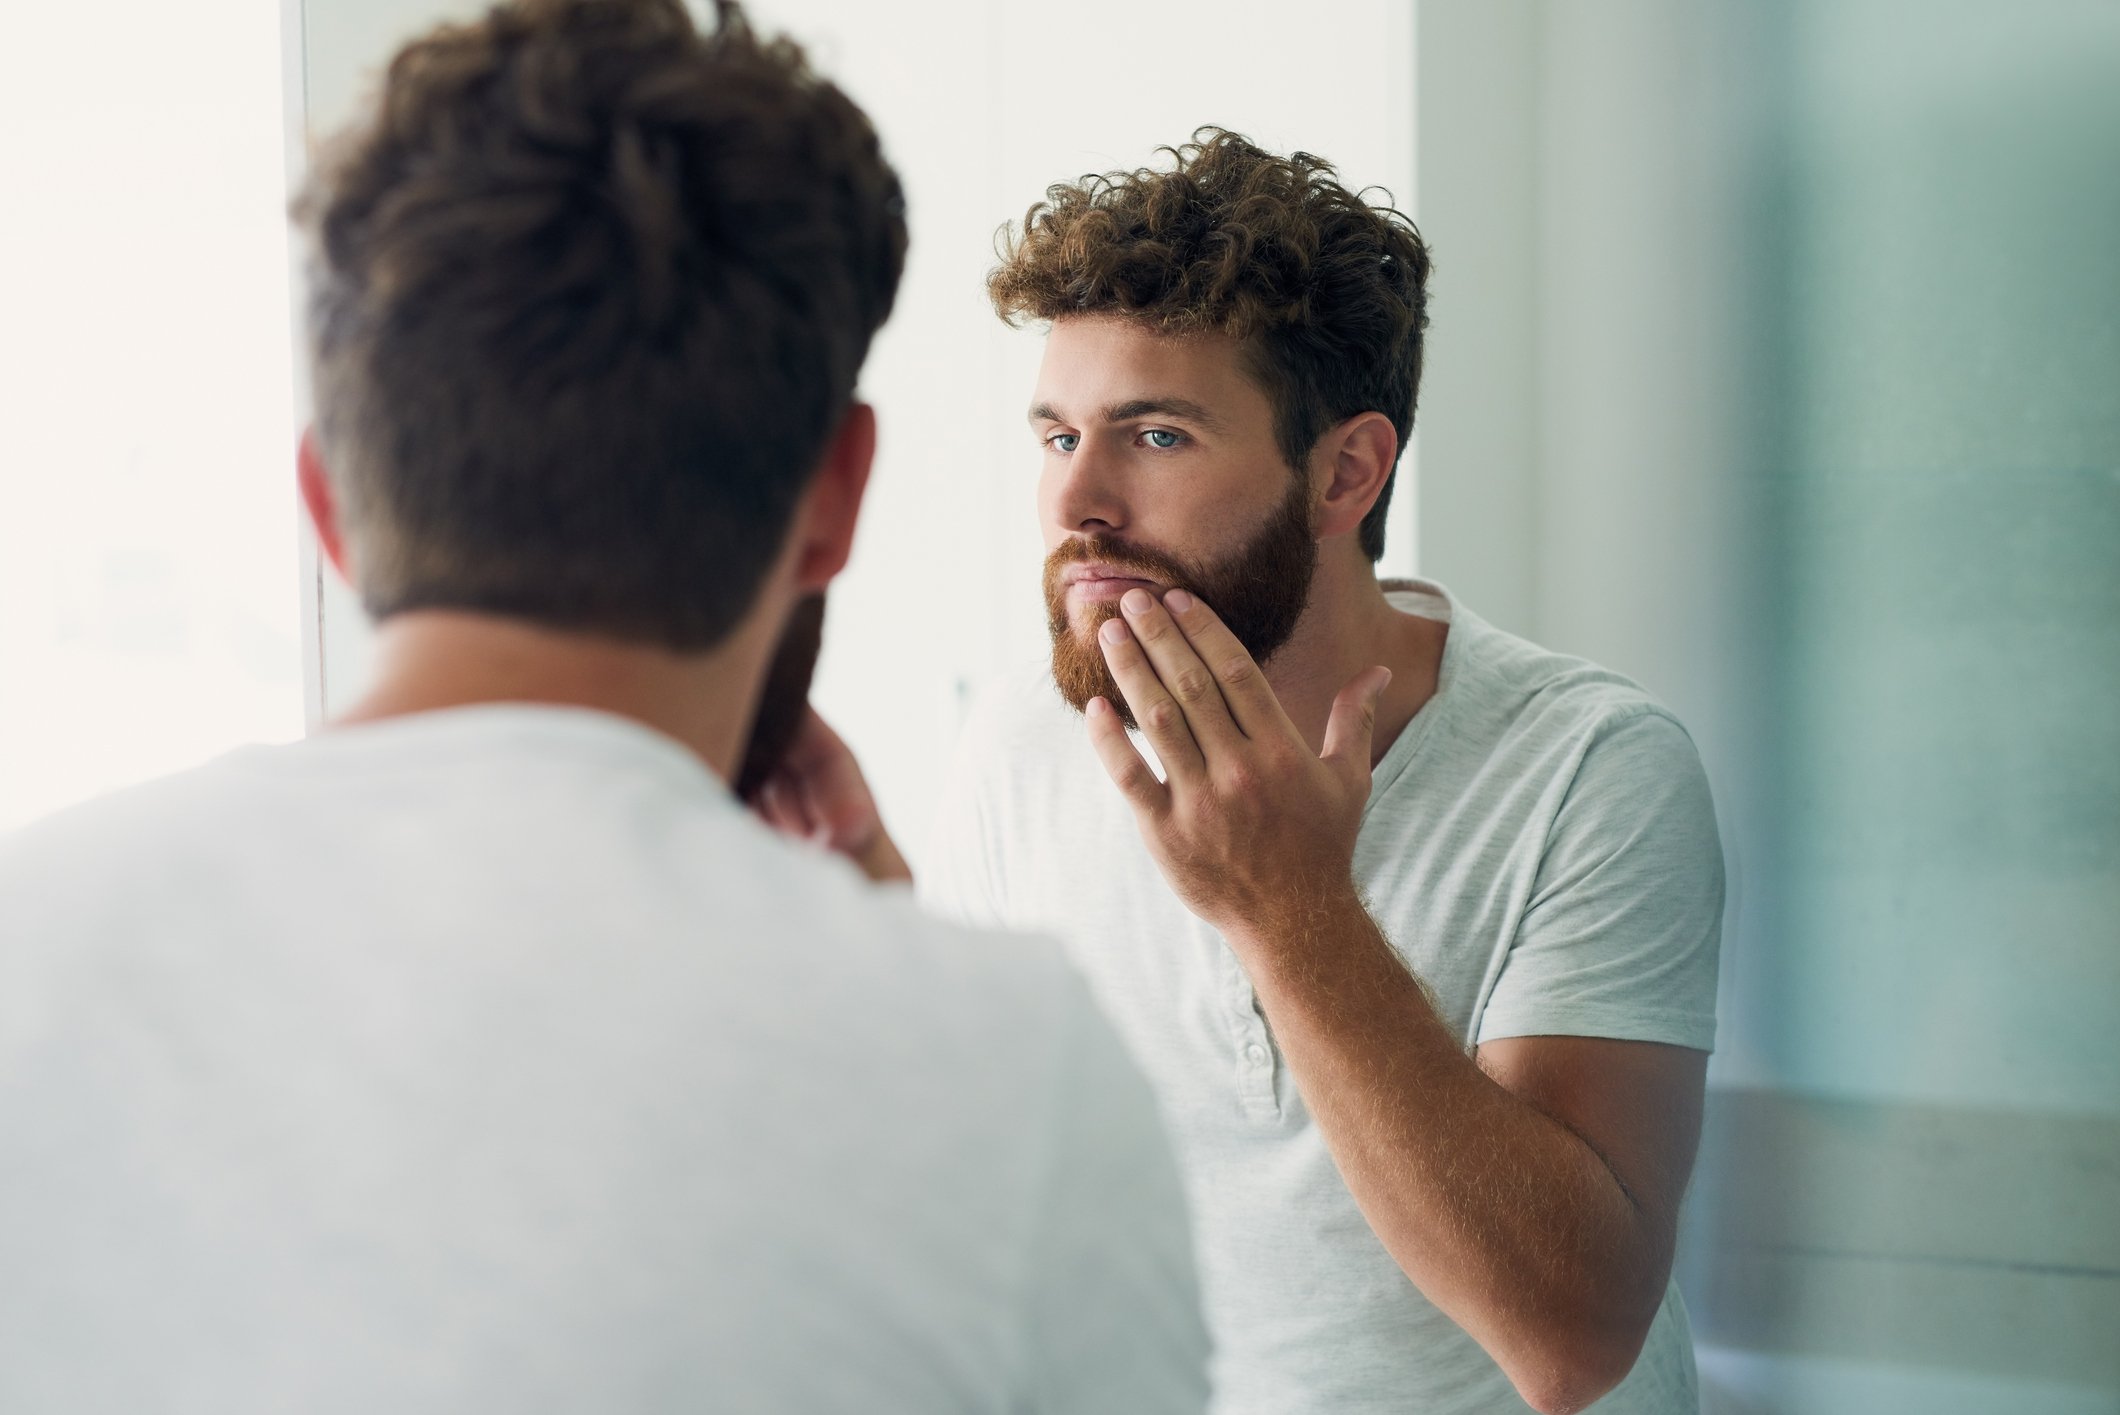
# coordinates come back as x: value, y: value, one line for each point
x: 1150, y: 564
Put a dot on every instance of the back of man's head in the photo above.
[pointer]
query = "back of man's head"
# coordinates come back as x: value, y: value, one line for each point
x: 589, y: 294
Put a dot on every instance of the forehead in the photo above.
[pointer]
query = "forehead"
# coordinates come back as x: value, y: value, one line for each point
x: 1094, y: 362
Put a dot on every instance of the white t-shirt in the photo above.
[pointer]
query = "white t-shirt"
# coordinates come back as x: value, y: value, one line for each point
x: 1540, y: 847
x: 497, y: 1060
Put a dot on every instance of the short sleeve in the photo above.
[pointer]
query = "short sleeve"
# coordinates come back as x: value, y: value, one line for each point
x: 1621, y: 934
x: 1113, y: 1321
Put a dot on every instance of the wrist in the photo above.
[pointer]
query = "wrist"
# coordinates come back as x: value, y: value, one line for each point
x: 1299, y: 924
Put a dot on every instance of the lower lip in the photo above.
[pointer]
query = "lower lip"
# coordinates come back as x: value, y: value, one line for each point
x: 1103, y: 591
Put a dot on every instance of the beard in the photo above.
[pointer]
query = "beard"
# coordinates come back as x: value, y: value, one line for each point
x: 786, y: 696
x: 1259, y: 592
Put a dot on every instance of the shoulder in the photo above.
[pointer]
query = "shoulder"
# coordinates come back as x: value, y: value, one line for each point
x: 981, y: 991
x: 98, y: 882
x: 159, y: 822
x: 1532, y: 696
x: 889, y: 926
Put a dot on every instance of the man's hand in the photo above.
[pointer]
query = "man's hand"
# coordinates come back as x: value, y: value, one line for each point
x: 820, y: 795
x: 1253, y: 830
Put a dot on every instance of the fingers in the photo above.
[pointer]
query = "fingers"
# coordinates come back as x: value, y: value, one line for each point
x: 1350, y: 731
x: 1107, y: 735
x: 1162, y: 717
x: 819, y: 793
x: 781, y: 805
x: 816, y: 746
x: 1181, y: 672
x: 1250, y: 699
x: 834, y: 819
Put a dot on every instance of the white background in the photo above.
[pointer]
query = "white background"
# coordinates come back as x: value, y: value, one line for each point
x: 148, y: 596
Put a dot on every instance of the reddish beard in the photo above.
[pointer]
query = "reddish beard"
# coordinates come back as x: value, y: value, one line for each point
x: 1259, y: 592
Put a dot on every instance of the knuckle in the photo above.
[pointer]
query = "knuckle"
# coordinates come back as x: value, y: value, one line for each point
x: 1162, y: 715
x: 1192, y: 684
x: 1238, y: 670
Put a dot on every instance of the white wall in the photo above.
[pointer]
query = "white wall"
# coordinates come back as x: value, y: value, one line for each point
x: 147, y: 565
x: 982, y: 104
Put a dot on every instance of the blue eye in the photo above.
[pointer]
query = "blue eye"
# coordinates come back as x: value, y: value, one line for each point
x: 1064, y: 441
x: 1163, y: 438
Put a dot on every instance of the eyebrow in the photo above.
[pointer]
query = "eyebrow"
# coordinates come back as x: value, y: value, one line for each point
x: 1181, y: 408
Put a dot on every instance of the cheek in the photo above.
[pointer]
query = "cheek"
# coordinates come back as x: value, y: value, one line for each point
x: 1198, y: 522
x: 1049, y: 527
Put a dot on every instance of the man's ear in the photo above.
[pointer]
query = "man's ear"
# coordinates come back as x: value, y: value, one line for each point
x: 1357, y: 458
x: 824, y: 519
x: 322, y: 504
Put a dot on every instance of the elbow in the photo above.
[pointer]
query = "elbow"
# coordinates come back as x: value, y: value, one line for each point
x: 1564, y: 1392
x: 1572, y: 1372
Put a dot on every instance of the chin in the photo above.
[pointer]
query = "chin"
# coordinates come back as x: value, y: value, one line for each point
x: 1087, y: 646
x: 1084, y: 620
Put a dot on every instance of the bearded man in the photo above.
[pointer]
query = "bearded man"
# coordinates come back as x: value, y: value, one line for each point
x: 1412, y: 923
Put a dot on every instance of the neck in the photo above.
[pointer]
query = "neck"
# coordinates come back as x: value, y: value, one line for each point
x: 428, y: 660
x: 1348, y: 626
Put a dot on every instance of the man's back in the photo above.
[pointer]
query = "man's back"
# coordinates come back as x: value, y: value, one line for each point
x: 494, y: 1059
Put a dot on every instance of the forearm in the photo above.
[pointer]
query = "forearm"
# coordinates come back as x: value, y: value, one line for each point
x: 1504, y: 1218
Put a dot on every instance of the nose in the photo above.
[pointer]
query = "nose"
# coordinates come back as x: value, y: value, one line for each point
x: 1083, y: 491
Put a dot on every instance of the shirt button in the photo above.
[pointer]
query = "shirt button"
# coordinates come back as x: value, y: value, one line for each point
x: 1255, y: 1054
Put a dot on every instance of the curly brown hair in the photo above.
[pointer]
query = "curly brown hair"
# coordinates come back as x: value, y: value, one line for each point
x: 589, y: 292
x: 1329, y: 292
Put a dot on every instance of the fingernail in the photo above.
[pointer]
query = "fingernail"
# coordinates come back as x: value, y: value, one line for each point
x: 1137, y: 601
x: 1114, y: 630
x: 1177, y: 601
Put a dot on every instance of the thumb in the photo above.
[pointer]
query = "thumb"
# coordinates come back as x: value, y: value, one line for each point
x: 1351, y: 729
